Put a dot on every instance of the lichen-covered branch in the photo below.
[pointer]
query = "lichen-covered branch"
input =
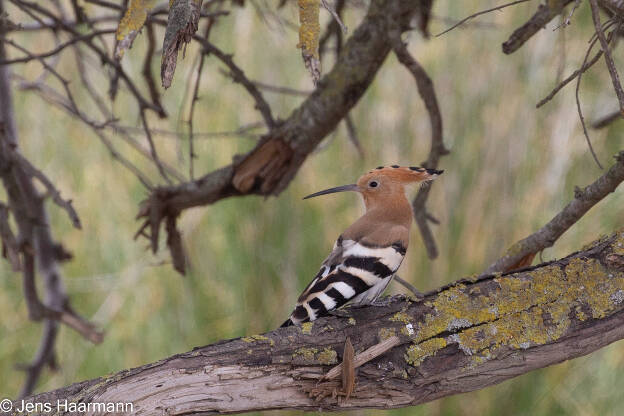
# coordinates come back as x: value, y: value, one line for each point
x: 460, y: 338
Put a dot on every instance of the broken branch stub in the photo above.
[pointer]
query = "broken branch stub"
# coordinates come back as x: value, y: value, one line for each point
x: 309, y: 33
x: 131, y: 24
x: 182, y: 24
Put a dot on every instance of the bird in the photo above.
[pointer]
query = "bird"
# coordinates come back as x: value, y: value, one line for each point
x: 368, y: 253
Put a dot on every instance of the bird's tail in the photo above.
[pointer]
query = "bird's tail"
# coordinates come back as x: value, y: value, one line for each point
x: 288, y: 322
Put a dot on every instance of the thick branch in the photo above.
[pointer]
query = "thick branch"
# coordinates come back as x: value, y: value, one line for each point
x: 272, y: 164
x: 460, y: 338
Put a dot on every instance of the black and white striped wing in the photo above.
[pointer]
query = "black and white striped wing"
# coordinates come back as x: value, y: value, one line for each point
x: 352, y: 271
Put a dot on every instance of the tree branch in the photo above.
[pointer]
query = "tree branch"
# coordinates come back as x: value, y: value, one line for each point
x: 521, y: 253
x: 462, y: 337
x: 428, y: 95
x: 544, y: 14
x: 277, y: 157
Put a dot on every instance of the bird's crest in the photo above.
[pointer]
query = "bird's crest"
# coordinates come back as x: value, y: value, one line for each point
x: 402, y: 174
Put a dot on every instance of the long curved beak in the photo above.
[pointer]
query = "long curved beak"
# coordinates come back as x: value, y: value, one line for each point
x: 344, y: 188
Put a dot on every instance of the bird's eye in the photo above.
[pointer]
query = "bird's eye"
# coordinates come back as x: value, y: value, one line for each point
x: 373, y: 184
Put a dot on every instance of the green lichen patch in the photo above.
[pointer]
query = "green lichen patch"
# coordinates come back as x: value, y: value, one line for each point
x: 530, y: 309
x: 312, y: 356
x: 417, y: 353
x: 306, y: 353
x: 306, y: 328
x: 254, y: 338
x: 401, y: 317
x: 385, y: 333
x: 328, y: 356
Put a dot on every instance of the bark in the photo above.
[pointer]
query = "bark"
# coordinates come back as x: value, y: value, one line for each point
x: 462, y: 337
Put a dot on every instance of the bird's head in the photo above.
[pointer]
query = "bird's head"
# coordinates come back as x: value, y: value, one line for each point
x: 384, y: 184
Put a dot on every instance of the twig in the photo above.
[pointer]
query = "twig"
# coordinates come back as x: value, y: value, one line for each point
x: 365, y: 356
x: 546, y: 236
x: 409, y: 286
x: 472, y: 16
x: 152, y: 146
x: 239, y: 76
x: 335, y: 15
x: 281, y: 90
x: 56, y: 50
x: 428, y: 95
x: 580, y: 111
x: 566, y: 81
x: 604, y: 44
x: 566, y: 22
x: 353, y: 136
x: 65, y: 204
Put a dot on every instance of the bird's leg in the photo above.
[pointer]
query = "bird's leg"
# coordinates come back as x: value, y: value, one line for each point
x: 371, y: 295
x: 417, y: 293
x: 341, y: 313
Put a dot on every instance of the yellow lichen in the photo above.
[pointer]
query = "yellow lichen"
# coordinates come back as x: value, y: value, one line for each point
x: 306, y: 353
x: 253, y: 338
x: 306, y: 328
x: 327, y: 356
x: 351, y: 321
x: 385, y: 333
x: 519, y: 312
x: 401, y: 317
x: 417, y: 353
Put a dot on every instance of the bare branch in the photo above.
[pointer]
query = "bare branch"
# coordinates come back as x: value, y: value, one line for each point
x: 544, y: 14
x: 546, y: 236
x: 604, y: 44
x: 428, y: 95
x: 472, y: 16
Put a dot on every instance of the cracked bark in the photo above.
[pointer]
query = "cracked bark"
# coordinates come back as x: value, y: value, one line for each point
x: 461, y: 337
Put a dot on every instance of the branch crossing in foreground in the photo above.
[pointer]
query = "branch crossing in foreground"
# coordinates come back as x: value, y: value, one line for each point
x: 462, y: 337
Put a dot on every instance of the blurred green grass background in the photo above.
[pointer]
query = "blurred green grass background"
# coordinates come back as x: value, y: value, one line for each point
x: 511, y: 168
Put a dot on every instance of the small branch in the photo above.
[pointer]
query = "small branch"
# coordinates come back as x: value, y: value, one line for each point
x: 580, y: 111
x: 365, y: 356
x: 428, y: 95
x: 604, y: 44
x: 569, y: 79
x: 239, y: 76
x: 546, y: 236
x: 152, y: 146
x: 544, y: 14
x: 472, y: 16
x: 353, y: 136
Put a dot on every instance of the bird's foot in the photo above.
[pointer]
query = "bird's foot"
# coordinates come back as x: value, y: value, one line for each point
x: 377, y: 302
x: 341, y: 313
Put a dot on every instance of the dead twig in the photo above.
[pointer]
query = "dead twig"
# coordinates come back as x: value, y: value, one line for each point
x: 472, y: 16
x: 428, y: 95
x: 604, y: 44
x: 365, y: 356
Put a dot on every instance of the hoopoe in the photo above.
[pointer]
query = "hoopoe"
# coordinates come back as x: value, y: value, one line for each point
x: 369, y: 252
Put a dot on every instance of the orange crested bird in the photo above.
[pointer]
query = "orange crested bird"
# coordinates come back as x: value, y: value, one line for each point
x: 369, y: 252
